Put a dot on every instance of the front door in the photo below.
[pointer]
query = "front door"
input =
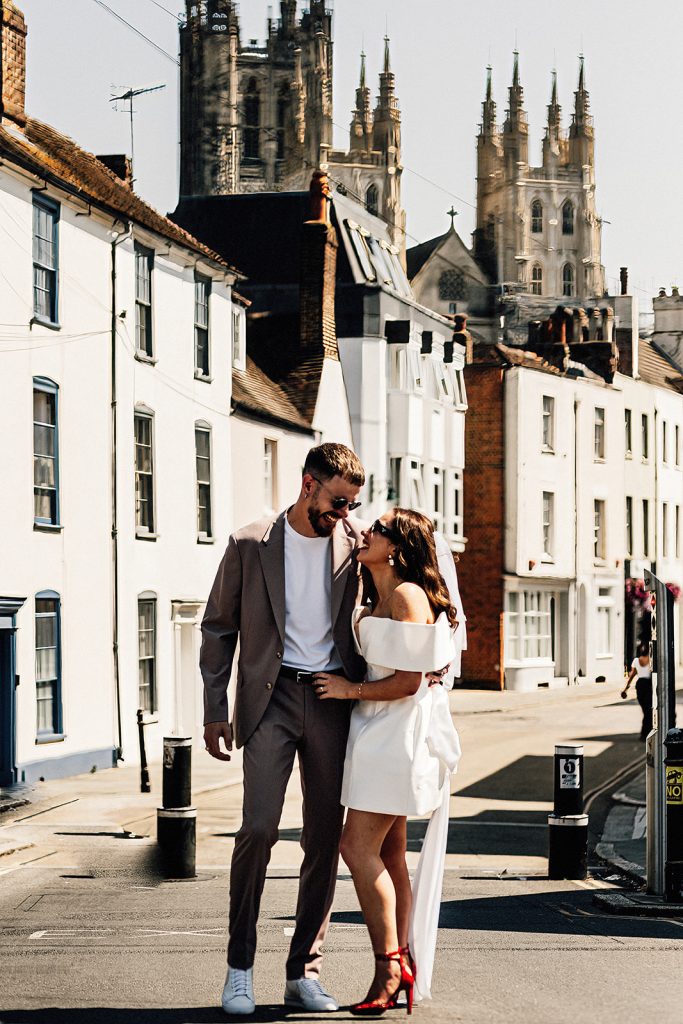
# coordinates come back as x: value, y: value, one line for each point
x: 8, y: 683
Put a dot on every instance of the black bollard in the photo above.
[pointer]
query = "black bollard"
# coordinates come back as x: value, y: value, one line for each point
x: 568, y: 794
x: 177, y: 839
x: 176, y: 820
x: 177, y: 772
x: 673, y: 769
x: 568, y: 825
x: 145, y: 786
x: 567, y: 846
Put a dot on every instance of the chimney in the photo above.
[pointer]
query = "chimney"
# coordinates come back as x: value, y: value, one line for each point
x: 317, y: 326
x: 623, y: 279
x: 12, y: 64
x: 120, y: 165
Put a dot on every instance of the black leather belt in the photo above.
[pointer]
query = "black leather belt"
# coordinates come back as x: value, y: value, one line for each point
x: 301, y: 676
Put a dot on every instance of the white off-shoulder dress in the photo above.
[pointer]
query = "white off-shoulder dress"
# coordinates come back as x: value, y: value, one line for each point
x: 401, y: 753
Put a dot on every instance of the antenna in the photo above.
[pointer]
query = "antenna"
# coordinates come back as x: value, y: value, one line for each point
x: 127, y: 97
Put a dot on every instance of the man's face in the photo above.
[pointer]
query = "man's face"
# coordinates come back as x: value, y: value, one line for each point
x: 322, y: 514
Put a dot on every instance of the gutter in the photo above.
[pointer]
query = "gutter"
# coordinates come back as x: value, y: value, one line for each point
x: 116, y: 240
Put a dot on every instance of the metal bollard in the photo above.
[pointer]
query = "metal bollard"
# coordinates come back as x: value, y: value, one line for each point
x: 673, y: 768
x: 176, y: 789
x: 568, y: 793
x: 567, y: 846
x: 145, y: 786
x: 568, y: 825
x: 176, y: 820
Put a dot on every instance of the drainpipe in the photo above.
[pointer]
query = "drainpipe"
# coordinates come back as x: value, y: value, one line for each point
x: 117, y: 238
x: 577, y: 611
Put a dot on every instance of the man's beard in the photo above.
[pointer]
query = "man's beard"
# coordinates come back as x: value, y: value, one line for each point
x: 320, y: 522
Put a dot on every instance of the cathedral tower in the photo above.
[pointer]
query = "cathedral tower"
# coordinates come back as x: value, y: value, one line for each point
x: 538, y: 232
x: 260, y: 117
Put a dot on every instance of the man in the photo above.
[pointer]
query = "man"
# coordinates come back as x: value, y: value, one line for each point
x: 286, y: 589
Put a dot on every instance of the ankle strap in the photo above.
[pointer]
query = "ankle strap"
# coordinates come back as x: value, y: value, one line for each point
x: 394, y: 954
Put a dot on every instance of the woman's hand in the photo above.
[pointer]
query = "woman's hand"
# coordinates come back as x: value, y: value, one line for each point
x: 329, y: 687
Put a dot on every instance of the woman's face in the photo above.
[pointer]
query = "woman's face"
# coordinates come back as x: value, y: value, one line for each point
x: 376, y: 545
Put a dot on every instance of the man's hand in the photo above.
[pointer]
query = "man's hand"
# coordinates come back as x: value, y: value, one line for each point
x: 213, y: 733
x: 437, y: 676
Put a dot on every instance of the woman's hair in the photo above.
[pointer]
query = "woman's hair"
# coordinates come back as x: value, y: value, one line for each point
x: 642, y: 649
x: 416, y: 560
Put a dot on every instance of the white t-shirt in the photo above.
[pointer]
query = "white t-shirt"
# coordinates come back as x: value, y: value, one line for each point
x: 309, y: 643
x: 643, y: 671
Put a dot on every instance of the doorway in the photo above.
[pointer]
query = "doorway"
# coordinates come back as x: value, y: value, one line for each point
x: 8, y: 685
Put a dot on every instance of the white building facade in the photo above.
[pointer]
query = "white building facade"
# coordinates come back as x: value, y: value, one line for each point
x: 116, y: 343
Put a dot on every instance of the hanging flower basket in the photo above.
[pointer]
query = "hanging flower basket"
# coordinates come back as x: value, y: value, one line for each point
x: 636, y: 596
x: 674, y: 590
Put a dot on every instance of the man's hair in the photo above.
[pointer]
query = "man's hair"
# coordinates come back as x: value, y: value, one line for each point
x: 328, y: 460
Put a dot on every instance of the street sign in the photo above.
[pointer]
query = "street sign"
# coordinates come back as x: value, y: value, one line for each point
x: 569, y: 773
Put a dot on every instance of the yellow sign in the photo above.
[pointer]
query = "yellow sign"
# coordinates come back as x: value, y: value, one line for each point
x: 674, y: 785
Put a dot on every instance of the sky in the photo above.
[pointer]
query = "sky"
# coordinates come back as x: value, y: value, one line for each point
x: 79, y: 55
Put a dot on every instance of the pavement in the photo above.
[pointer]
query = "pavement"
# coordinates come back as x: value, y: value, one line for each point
x: 91, y: 934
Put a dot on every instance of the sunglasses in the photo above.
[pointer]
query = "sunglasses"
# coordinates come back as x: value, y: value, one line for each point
x: 338, y: 503
x: 386, y: 531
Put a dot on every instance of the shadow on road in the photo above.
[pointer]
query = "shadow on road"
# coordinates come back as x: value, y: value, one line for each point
x: 161, y: 1015
x: 565, y: 912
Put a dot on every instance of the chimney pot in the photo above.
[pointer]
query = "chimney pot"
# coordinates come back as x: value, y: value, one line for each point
x: 623, y: 277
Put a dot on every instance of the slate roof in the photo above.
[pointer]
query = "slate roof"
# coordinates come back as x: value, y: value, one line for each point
x: 57, y: 158
x: 507, y: 355
x: 417, y: 255
x: 655, y: 367
x: 256, y: 394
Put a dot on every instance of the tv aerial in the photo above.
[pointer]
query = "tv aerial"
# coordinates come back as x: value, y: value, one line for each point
x: 127, y: 97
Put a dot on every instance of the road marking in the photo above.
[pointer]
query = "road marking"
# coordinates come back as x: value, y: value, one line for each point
x: 196, y: 931
x: 288, y: 932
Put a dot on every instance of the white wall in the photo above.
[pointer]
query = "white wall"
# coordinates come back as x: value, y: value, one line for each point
x: 75, y: 560
x: 248, y: 490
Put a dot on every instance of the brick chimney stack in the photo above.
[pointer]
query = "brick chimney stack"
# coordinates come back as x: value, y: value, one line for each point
x: 12, y: 64
x: 318, y: 330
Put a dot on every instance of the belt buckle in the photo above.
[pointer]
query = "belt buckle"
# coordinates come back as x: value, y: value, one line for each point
x: 307, y: 677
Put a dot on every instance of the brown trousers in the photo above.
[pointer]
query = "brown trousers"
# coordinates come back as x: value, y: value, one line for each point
x: 295, y: 722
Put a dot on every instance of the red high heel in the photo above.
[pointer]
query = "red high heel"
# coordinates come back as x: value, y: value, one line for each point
x: 407, y: 955
x: 375, y: 1007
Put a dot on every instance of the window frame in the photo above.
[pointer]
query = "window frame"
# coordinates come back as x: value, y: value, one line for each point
x: 436, y: 477
x: 202, y: 427
x: 44, y: 204
x: 646, y: 527
x: 605, y: 605
x: 665, y: 443
x: 568, y: 280
x: 251, y: 123
x: 372, y: 199
x: 202, y: 326
x: 537, y: 279
x: 148, y: 598
x: 239, y: 341
x: 599, y: 430
x: 665, y: 529
x: 536, y: 217
x: 599, y: 530
x: 629, y: 525
x: 528, y: 623
x: 144, y: 305
x: 645, y: 436
x: 142, y: 530
x: 568, y: 206
x: 270, y: 453
x: 548, y: 419
x: 628, y: 433
x: 455, y: 512
x: 548, y: 525
x: 57, y: 731
x: 44, y: 385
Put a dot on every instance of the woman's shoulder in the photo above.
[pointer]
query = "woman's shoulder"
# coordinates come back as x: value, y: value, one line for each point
x: 409, y: 603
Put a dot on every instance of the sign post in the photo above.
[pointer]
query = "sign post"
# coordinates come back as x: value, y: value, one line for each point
x: 568, y: 825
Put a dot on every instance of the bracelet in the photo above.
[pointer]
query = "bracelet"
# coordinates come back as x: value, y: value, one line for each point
x: 360, y: 690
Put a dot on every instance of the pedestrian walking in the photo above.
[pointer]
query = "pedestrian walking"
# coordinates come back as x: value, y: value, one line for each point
x: 641, y: 671
x: 286, y: 589
x: 401, y: 751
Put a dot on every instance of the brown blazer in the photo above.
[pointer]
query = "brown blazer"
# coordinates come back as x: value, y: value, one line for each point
x: 247, y: 602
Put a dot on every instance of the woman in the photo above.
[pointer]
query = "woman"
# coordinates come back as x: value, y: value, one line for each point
x: 402, y: 746
x: 640, y: 667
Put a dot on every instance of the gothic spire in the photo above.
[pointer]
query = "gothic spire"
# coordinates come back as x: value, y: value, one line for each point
x: 387, y: 60
x: 516, y: 116
x: 361, y: 122
x: 488, y: 107
x: 554, y: 109
x: 581, y: 98
x: 387, y: 119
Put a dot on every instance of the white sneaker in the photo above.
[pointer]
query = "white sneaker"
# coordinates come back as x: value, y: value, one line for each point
x: 308, y: 994
x: 238, y: 991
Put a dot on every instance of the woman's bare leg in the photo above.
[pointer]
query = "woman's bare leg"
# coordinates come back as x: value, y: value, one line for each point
x: 362, y: 840
x: 393, y: 854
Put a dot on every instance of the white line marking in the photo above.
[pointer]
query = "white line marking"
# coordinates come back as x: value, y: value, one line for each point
x: 640, y: 823
x: 288, y: 932
x: 37, y: 935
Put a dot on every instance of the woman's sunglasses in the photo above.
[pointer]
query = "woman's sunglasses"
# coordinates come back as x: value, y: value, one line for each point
x: 338, y: 503
x: 379, y: 527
